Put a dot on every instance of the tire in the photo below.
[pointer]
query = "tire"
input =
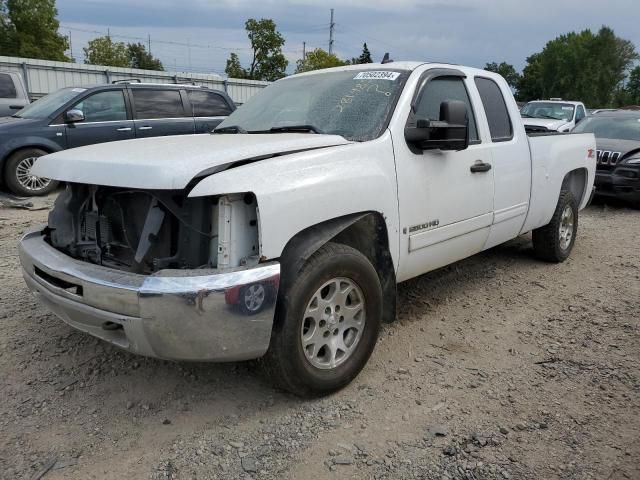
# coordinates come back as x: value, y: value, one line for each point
x: 17, y: 178
x: 554, y: 241
x: 304, y: 355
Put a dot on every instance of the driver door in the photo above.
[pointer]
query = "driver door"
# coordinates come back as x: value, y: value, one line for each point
x: 446, y: 202
x: 106, y: 119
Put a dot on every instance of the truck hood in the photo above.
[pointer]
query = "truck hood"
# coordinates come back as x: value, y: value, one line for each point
x: 544, y: 122
x: 170, y: 163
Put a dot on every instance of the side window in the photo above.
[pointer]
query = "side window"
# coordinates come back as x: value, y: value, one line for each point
x: 156, y: 103
x: 208, y: 104
x: 7, y: 88
x: 445, y: 88
x: 496, y: 110
x: 106, y: 106
x: 580, y: 114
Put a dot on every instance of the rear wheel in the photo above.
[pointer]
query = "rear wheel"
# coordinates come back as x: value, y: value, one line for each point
x: 18, y: 175
x: 327, y: 322
x: 554, y: 241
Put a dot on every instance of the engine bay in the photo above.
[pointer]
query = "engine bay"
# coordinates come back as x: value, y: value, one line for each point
x: 145, y: 231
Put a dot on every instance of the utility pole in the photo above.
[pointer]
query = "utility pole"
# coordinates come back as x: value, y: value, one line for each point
x: 109, y: 33
x: 304, y: 51
x: 331, y: 27
x: 189, y: 49
x: 71, y: 47
x: 149, y: 42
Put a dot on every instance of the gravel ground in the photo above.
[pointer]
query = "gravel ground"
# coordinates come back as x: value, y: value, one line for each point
x: 499, y: 367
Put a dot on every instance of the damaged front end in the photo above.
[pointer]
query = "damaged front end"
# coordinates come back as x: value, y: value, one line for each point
x: 145, y: 231
x: 156, y: 272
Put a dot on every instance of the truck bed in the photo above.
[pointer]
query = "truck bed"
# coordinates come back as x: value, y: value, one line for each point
x: 552, y: 154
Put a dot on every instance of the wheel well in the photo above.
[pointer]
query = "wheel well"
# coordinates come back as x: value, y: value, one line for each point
x: 3, y: 162
x: 575, y: 182
x: 366, y: 232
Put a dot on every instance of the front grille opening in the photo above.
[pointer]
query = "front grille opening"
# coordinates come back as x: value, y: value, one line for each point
x: 59, y: 283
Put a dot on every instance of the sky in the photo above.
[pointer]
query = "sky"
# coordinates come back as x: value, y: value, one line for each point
x: 199, y: 35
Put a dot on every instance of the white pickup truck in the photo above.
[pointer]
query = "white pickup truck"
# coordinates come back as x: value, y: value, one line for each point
x: 283, y: 233
x: 555, y: 115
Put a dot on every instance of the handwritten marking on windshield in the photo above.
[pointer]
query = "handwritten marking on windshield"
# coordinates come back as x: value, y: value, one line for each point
x: 359, y: 88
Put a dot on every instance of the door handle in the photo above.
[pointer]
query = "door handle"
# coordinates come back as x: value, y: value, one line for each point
x: 480, y: 167
x: 124, y: 129
x: 146, y: 127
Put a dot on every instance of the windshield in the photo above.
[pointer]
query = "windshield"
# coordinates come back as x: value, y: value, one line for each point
x: 550, y: 110
x: 355, y: 104
x: 620, y: 128
x: 48, y: 104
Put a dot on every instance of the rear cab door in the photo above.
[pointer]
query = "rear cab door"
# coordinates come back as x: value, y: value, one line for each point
x: 107, y: 118
x: 160, y: 111
x: 208, y: 109
x: 510, y: 157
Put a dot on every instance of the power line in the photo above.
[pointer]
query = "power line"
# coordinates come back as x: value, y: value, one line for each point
x: 164, y: 42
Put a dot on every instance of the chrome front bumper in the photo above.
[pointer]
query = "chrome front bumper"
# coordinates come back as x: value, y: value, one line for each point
x: 175, y: 314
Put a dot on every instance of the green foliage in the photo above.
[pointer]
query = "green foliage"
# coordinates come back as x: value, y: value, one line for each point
x: 633, y: 88
x: 140, y: 58
x: 104, y: 51
x: 29, y: 28
x: 268, y: 62
x: 579, y: 66
x: 318, y: 59
x: 505, y: 69
x: 234, y: 69
x: 365, y: 56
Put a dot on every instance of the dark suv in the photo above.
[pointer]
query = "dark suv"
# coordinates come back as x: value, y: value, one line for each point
x: 73, y: 117
x: 618, y: 157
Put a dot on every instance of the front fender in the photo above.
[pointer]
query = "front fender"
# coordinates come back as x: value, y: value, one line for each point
x: 300, y: 190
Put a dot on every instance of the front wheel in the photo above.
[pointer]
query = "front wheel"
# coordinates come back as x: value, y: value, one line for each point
x: 19, y: 178
x: 554, y: 241
x: 327, y: 322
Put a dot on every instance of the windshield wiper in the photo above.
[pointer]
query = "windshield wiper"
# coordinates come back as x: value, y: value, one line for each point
x: 550, y: 117
x: 526, y: 115
x: 296, y: 128
x: 230, y: 129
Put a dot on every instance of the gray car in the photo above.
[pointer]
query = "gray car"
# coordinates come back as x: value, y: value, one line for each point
x: 13, y: 94
x: 74, y: 117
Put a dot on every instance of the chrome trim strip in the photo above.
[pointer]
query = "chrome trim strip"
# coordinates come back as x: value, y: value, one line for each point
x: 447, y: 232
x: 508, y: 213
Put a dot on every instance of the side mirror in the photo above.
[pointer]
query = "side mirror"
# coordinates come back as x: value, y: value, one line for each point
x: 74, y: 115
x: 451, y: 132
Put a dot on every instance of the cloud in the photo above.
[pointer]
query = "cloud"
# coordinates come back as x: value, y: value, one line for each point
x: 470, y: 32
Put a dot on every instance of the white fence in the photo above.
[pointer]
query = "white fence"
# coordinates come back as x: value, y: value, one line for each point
x: 44, y: 76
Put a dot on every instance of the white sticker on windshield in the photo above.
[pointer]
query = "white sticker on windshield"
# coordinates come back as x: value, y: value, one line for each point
x: 567, y: 108
x: 377, y: 75
x: 78, y: 90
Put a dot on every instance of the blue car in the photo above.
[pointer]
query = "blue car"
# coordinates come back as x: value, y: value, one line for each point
x: 73, y: 117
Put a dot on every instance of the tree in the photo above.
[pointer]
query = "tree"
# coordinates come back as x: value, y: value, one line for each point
x: 104, y: 51
x: 505, y: 69
x: 234, y: 69
x: 318, y: 59
x: 268, y: 62
x: 633, y: 87
x: 580, y: 66
x: 365, y: 56
x: 29, y: 28
x: 140, y: 58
